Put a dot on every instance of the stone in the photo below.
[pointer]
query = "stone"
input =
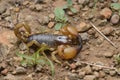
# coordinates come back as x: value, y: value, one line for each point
x: 73, y: 76
x: 112, y: 72
x: 29, y: 77
x: 16, y: 9
x: 25, y: 3
x: 115, y: 1
x: 99, y: 42
x: 66, y: 78
x: 107, y: 30
x: 81, y: 1
x: 96, y: 74
x: 4, y: 72
x: 44, y: 20
x: 9, y: 77
x: 52, y: 16
x: 38, y: 68
x: 96, y: 68
x: 102, y: 22
x: 82, y: 27
x: 89, y: 77
x: 115, y: 19
x: 38, y: 7
x: 102, y: 74
x: 73, y: 66
x: 91, y: 5
x: 51, y: 24
x: 7, y: 37
x: 32, y: 7
x: 70, y: 13
x: 22, y: 46
x: 106, y: 13
x: 20, y: 70
x: 108, y: 54
x: 84, y: 36
x: 3, y: 8
x: 81, y: 74
x: 4, y: 50
x: 87, y: 70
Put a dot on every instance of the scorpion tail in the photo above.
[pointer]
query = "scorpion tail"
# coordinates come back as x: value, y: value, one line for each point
x: 17, y: 32
x: 79, y: 47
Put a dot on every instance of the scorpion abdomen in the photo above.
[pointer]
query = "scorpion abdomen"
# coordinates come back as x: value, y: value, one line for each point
x: 48, y: 39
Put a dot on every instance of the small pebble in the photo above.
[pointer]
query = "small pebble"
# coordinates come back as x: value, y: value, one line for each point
x: 9, y: 77
x: 96, y: 74
x: 70, y: 13
x: 115, y: 19
x: 32, y: 7
x: 108, y: 54
x: 81, y: 74
x: 73, y: 65
x: 106, y: 13
x: 16, y: 9
x: 82, y: 27
x: 91, y: 5
x: 20, y: 70
x: 25, y: 3
x: 51, y: 24
x: 112, y: 72
x: 45, y: 19
x: 89, y: 77
x: 96, y: 68
x: 115, y: 1
x: 39, y: 68
x: 87, y: 70
x: 52, y: 16
x: 4, y: 72
x: 107, y: 30
x: 84, y: 36
x: 81, y: 1
x: 3, y: 8
x: 102, y: 74
x: 38, y: 7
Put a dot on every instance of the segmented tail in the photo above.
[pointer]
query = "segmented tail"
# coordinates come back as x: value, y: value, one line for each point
x: 79, y: 47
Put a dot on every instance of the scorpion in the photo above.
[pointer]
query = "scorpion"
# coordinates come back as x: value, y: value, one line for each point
x: 66, y: 46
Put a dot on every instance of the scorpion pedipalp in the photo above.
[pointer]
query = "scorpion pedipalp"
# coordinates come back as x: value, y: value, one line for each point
x: 17, y: 32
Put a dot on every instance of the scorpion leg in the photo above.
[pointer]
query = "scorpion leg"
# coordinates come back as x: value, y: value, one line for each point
x: 54, y: 57
x: 29, y: 44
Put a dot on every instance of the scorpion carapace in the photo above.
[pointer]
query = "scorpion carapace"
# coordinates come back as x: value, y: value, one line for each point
x: 66, y: 45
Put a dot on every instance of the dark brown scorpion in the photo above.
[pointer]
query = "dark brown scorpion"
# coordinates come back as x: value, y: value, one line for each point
x: 66, y: 46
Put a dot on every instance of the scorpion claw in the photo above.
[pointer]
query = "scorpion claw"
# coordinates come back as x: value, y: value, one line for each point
x: 67, y: 52
x: 17, y: 32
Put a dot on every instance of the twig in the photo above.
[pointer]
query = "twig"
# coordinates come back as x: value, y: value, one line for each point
x: 101, y: 66
x: 103, y: 35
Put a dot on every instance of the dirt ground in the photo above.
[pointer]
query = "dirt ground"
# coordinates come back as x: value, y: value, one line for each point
x: 96, y: 60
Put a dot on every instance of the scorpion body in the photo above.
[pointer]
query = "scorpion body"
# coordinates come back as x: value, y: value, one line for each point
x: 67, y: 46
x: 49, y: 39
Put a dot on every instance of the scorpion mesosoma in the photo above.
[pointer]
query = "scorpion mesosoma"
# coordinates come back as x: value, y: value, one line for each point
x: 67, y: 46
